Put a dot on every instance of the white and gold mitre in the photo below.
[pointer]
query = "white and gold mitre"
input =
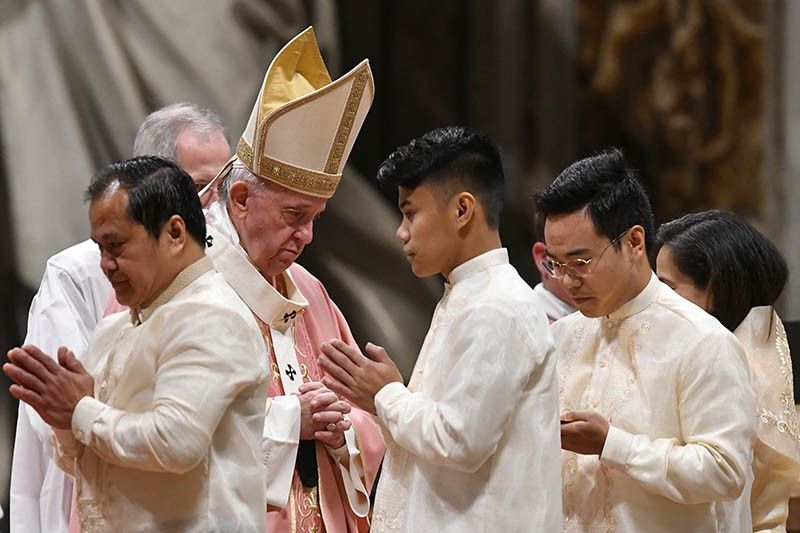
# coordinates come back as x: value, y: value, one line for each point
x: 303, y: 125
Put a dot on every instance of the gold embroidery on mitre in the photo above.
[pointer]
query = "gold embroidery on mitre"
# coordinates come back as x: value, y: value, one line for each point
x: 297, y: 179
x: 245, y: 153
x: 347, y: 120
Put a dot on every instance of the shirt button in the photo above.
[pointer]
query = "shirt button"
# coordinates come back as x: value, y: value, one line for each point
x: 103, y: 384
x: 595, y: 404
x: 609, y: 324
x: 602, y: 364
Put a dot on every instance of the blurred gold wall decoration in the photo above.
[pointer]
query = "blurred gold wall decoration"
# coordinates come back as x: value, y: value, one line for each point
x: 681, y: 84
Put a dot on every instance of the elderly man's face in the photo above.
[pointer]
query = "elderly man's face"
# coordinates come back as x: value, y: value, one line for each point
x: 201, y: 155
x: 275, y: 224
x: 134, y: 261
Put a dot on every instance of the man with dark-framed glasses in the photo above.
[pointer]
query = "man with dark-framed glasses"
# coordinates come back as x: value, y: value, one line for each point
x: 658, y: 415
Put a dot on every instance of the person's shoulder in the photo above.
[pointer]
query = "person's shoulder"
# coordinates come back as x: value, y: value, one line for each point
x: 82, y: 255
x: 208, y: 295
x: 686, y: 316
x: 502, y: 292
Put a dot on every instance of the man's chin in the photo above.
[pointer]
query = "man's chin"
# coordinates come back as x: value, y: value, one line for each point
x: 587, y: 307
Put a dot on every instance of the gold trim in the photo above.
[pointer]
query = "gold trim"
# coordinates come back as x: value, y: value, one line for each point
x: 298, y: 179
x: 346, y: 121
x: 245, y: 153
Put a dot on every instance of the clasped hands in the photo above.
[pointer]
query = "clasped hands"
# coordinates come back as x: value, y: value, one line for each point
x: 355, y: 376
x: 322, y: 415
x: 52, y: 388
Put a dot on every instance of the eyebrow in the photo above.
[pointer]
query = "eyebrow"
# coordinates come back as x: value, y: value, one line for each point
x: 573, y: 253
x: 404, y: 203
x: 105, y: 237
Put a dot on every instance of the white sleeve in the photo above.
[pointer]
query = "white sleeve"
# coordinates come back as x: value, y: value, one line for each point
x: 202, y: 369
x: 718, y: 421
x: 27, y: 476
x: 64, y: 312
x: 352, y: 472
x: 492, y: 360
x: 280, y: 442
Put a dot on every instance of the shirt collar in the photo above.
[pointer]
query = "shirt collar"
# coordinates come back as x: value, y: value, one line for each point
x: 184, y: 278
x: 498, y: 256
x: 639, y: 302
x: 264, y: 300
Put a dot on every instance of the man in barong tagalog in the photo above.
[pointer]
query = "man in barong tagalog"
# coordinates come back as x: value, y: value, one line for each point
x: 164, y: 433
x: 320, y: 463
x: 74, y: 296
x: 659, y: 416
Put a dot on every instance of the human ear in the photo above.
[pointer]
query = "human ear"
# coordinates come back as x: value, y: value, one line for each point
x: 636, y: 241
x: 175, y: 231
x: 237, y: 198
x: 539, y: 252
x: 465, y: 208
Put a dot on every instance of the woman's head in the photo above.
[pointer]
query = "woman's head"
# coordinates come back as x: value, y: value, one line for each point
x: 720, y: 262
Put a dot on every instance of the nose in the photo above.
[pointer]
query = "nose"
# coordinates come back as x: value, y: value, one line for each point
x: 402, y: 233
x: 305, y: 233
x: 108, y: 264
x: 569, y: 281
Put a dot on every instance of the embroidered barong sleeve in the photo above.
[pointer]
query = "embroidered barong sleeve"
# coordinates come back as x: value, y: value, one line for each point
x: 709, y: 465
x: 201, y: 370
x: 462, y: 428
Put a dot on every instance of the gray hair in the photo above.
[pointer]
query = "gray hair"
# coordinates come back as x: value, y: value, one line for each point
x: 239, y: 172
x: 158, y: 133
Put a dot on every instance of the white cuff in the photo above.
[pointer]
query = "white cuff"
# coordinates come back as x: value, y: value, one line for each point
x: 617, y: 448
x: 281, y: 437
x: 84, y: 416
x: 353, y: 475
x: 338, y: 453
x: 385, y: 396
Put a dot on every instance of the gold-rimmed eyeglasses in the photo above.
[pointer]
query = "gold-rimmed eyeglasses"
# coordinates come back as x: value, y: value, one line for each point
x: 577, y: 268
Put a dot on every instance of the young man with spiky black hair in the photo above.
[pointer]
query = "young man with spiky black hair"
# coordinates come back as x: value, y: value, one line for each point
x: 472, y: 442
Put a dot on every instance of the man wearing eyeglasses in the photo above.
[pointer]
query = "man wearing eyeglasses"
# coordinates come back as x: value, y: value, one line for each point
x: 658, y: 416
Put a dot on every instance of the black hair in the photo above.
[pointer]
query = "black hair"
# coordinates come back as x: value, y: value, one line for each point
x: 607, y: 189
x: 724, y: 254
x: 449, y: 156
x: 157, y: 189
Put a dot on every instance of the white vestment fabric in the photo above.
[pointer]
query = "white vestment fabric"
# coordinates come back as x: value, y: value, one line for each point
x: 172, y: 439
x: 674, y: 385
x: 551, y: 305
x: 473, y: 442
x: 71, y: 300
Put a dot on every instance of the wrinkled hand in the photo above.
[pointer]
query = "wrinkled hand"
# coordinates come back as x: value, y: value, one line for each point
x: 356, y: 376
x: 52, y: 389
x: 583, y: 432
x: 320, y: 407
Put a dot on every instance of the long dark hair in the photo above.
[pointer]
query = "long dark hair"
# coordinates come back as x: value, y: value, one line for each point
x: 724, y: 254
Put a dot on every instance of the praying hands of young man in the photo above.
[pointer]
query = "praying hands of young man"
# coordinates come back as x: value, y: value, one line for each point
x: 356, y: 376
x: 52, y: 388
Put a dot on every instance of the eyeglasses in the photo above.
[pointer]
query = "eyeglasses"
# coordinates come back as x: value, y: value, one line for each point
x: 577, y: 268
